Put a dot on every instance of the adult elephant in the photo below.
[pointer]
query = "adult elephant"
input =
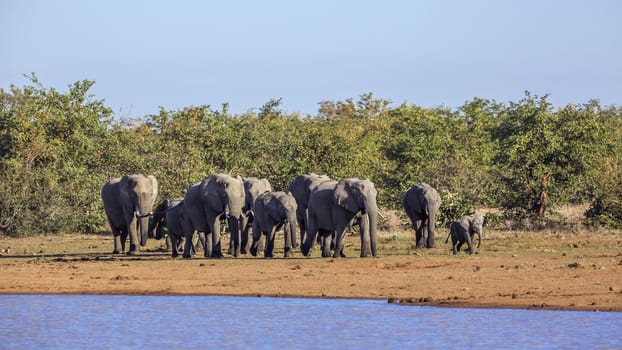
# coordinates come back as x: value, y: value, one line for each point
x: 301, y: 188
x: 128, y: 202
x: 273, y: 211
x: 253, y: 187
x: 421, y: 203
x: 335, y: 205
x: 206, y: 205
x: 463, y: 230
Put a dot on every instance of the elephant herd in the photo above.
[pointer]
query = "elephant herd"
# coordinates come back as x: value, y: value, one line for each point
x: 321, y: 209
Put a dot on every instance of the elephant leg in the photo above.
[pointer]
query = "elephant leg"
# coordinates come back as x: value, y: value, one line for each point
x: 200, y: 243
x: 424, y: 233
x: 231, y: 248
x: 245, y: 226
x: 303, y: 222
x: 119, y: 245
x: 169, y: 242
x: 269, y: 250
x: 212, y: 242
x: 188, y: 245
x: 309, y: 240
x: 255, y: 245
x: 454, y: 245
x: 208, y: 246
x: 326, y: 243
x: 174, y: 241
x: 458, y: 246
x: 419, y: 239
x: 340, y: 235
x: 469, y: 243
x: 181, y: 242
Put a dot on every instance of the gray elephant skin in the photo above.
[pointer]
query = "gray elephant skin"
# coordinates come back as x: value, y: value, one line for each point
x: 333, y: 206
x: 128, y: 202
x: 422, y: 203
x: 253, y: 187
x: 158, y: 223
x: 301, y: 188
x: 169, y: 214
x: 206, y: 205
x: 273, y: 211
x: 463, y: 230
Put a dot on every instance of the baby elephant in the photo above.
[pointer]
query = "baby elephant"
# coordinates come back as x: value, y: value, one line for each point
x: 463, y: 230
x: 273, y: 211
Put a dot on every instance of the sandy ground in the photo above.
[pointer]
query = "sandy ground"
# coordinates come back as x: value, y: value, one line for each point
x: 579, y: 270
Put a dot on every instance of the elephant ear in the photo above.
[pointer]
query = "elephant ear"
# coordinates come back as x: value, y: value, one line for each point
x: 275, y: 209
x: 346, y: 197
x: 126, y: 193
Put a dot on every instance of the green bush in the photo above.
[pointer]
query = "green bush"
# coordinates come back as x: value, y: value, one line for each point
x: 58, y: 148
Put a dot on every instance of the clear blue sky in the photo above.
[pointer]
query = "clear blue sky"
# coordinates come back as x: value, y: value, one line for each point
x: 175, y: 54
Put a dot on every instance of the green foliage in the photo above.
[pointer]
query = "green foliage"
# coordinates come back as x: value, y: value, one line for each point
x: 547, y: 156
x: 453, y: 207
x: 58, y: 148
x: 52, y: 158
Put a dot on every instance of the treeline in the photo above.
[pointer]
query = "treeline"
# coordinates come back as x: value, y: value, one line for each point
x: 57, y: 149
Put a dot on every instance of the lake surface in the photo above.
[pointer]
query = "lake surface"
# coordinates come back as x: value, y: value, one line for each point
x: 197, y: 322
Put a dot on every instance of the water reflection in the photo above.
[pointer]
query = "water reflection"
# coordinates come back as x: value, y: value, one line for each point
x: 170, y: 322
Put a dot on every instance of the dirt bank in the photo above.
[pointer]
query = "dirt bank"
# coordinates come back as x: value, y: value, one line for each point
x: 552, y: 270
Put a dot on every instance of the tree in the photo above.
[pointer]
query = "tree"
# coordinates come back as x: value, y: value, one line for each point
x: 542, y: 153
x: 51, y: 157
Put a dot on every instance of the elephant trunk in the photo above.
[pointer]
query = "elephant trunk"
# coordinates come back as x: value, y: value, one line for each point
x: 431, y: 223
x: 143, y: 226
x: 372, y: 213
x: 234, y: 231
x: 142, y: 216
x: 291, y: 227
x: 306, y: 245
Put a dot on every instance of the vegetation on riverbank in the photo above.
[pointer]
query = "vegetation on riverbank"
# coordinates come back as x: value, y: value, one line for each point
x: 523, y: 157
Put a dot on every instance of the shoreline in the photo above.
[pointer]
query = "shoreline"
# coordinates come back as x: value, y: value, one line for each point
x: 393, y: 301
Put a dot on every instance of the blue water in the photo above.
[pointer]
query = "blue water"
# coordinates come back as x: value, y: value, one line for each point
x: 197, y: 322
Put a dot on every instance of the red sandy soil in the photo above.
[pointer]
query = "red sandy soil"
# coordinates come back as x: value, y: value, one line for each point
x: 544, y: 270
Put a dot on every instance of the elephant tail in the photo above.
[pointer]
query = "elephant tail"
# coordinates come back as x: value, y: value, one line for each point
x: 447, y: 239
